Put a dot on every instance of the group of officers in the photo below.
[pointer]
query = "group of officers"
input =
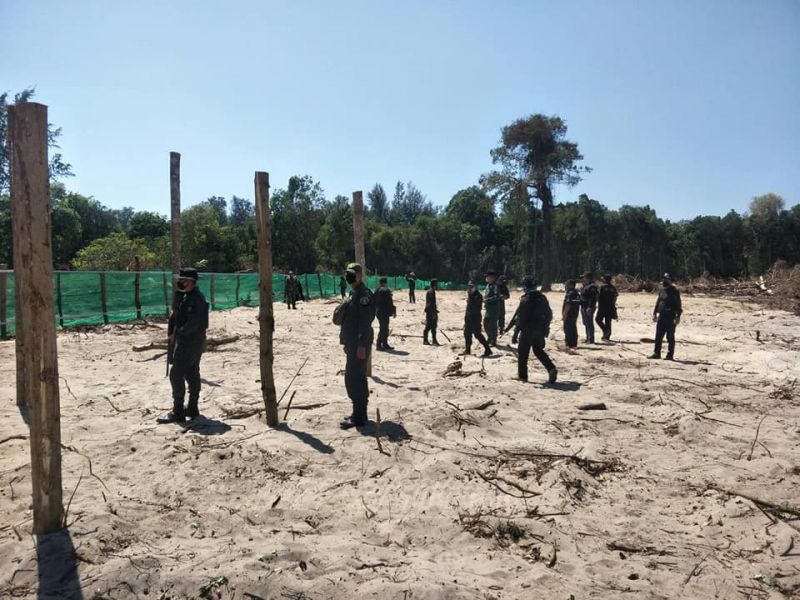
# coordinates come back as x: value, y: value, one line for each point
x: 595, y: 303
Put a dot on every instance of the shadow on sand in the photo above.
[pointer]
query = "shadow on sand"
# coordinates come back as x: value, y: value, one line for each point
x: 205, y: 426
x: 316, y: 443
x: 394, y: 432
x: 58, y: 567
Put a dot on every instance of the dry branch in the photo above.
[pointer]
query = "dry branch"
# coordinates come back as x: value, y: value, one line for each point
x: 211, y: 343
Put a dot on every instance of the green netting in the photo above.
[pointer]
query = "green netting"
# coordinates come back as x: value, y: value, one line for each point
x: 79, y: 294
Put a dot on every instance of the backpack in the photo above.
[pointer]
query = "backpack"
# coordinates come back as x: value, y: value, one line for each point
x: 339, y: 312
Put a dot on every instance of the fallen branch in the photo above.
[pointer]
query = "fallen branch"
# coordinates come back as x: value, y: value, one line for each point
x: 755, y: 439
x: 593, y: 406
x: 210, y: 344
x: 378, y: 433
x: 490, y: 479
x: 13, y: 437
x: 292, y: 381
x: 789, y: 510
x: 289, y: 405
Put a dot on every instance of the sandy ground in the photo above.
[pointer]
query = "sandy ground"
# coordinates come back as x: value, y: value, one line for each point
x: 528, y: 497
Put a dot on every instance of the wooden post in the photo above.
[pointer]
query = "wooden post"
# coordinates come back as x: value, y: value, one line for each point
x: 307, y: 293
x: 103, y: 297
x: 166, y: 294
x: 175, y: 218
x: 213, y: 295
x: 238, y: 285
x: 58, y: 300
x: 266, y: 318
x: 33, y: 276
x: 319, y: 283
x: 3, y: 305
x: 137, y: 283
x: 358, y: 239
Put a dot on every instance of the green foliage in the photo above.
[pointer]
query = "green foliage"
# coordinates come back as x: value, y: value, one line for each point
x: 113, y: 253
x: 147, y: 225
x: 334, y: 243
x: 378, y: 204
x: 298, y: 212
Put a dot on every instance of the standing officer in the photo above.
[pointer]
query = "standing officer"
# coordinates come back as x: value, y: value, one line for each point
x: 472, y: 320
x: 431, y: 314
x: 502, y: 288
x: 569, y: 314
x: 533, y: 321
x: 606, y: 305
x: 667, y: 315
x: 355, y: 316
x: 343, y: 286
x: 411, y: 278
x: 588, y: 305
x: 384, y: 309
x: 491, y: 298
x: 187, y: 338
x: 292, y: 291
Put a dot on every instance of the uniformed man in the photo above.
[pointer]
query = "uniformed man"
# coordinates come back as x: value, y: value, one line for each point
x: 384, y: 310
x: 472, y: 320
x: 356, y: 337
x: 411, y: 278
x: 505, y: 294
x: 588, y: 305
x: 533, y: 322
x: 292, y: 291
x: 431, y: 314
x: 606, y: 305
x: 491, y: 299
x: 569, y: 314
x: 667, y: 315
x: 187, y: 337
x: 343, y: 286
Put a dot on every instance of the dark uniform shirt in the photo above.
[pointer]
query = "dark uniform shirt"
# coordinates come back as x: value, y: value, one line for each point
x: 572, y: 305
x: 502, y: 289
x: 491, y: 296
x: 384, y: 305
x: 534, y: 314
x: 412, y: 282
x: 669, y: 303
x: 430, y: 303
x: 358, y: 316
x: 607, y: 299
x: 189, y: 323
x: 472, y: 316
x: 589, y: 296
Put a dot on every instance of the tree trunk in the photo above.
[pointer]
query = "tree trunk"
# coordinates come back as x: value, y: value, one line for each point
x: 546, y: 197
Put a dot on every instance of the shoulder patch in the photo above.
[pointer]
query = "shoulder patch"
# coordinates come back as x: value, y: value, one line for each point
x: 365, y: 300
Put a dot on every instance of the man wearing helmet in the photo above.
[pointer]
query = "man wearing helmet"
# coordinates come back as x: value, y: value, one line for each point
x: 533, y: 322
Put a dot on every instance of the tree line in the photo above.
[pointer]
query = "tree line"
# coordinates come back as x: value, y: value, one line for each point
x: 508, y: 220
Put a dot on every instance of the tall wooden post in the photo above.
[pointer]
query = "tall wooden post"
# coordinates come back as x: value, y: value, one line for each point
x: 266, y: 317
x: 358, y: 239
x: 103, y: 297
x: 58, y: 301
x: 137, y: 286
x: 3, y: 305
x: 175, y: 216
x: 33, y: 275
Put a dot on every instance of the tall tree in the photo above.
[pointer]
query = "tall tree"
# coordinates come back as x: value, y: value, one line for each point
x: 410, y: 204
x: 242, y: 211
x: 58, y: 168
x: 534, y: 152
x: 378, y: 204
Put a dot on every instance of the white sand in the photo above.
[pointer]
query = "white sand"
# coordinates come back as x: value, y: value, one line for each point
x: 311, y: 511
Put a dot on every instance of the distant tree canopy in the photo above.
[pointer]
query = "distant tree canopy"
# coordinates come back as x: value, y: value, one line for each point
x: 509, y: 222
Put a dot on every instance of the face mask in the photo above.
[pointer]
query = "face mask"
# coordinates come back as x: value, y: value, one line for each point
x: 350, y: 277
x: 181, y: 285
x: 665, y: 283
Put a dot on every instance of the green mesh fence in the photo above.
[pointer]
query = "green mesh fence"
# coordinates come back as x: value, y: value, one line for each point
x: 80, y: 298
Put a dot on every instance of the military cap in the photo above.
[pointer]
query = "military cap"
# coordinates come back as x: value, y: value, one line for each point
x: 434, y: 281
x: 383, y: 280
x: 355, y: 267
x: 188, y: 273
x: 529, y: 282
x: 491, y: 272
x: 667, y: 276
x: 588, y: 275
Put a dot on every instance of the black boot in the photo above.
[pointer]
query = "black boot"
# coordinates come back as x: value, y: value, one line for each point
x: 172, y: 417
x: 487, y: 351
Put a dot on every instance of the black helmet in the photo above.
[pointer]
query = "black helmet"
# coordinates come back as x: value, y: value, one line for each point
x: 529, y: 282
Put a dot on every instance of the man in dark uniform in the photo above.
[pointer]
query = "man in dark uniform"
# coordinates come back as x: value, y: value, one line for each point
x: 588, y: 305
x: 356, y: 337
x: 533, y: 321
x: 569, y: 314
x: 384, y: 310
x: 472, y: 320
x: 187, y: 337
x: 505, y: 294
x: 411, y: 278
x: 491, y: 299
x: 343, y: 286
x: 667, y: 315
x: 606, y: 305
x: 431, y: 314
x: 292, y: 291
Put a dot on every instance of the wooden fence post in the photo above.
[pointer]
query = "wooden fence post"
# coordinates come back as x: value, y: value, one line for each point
x: 212, y: 294
x: 58, y: 300
x: 358, y: 239
x: 175, y: 219
x: 103, y: 297
x: 166, y: 294
x: 137, y: 286
x: 3, y: 305
x: 238, y: 285
x: 319, y: 282
x: 266, y: 317
x: 33, y: 275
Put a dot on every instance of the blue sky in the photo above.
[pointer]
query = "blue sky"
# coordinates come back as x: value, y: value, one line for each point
x: 689, y: 106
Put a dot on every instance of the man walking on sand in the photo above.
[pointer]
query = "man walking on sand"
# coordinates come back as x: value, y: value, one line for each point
x: 606, y: 305
x: 431, y: 314
x: 472, y: 320
x: 533, y: 320
x: 667, y: 316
